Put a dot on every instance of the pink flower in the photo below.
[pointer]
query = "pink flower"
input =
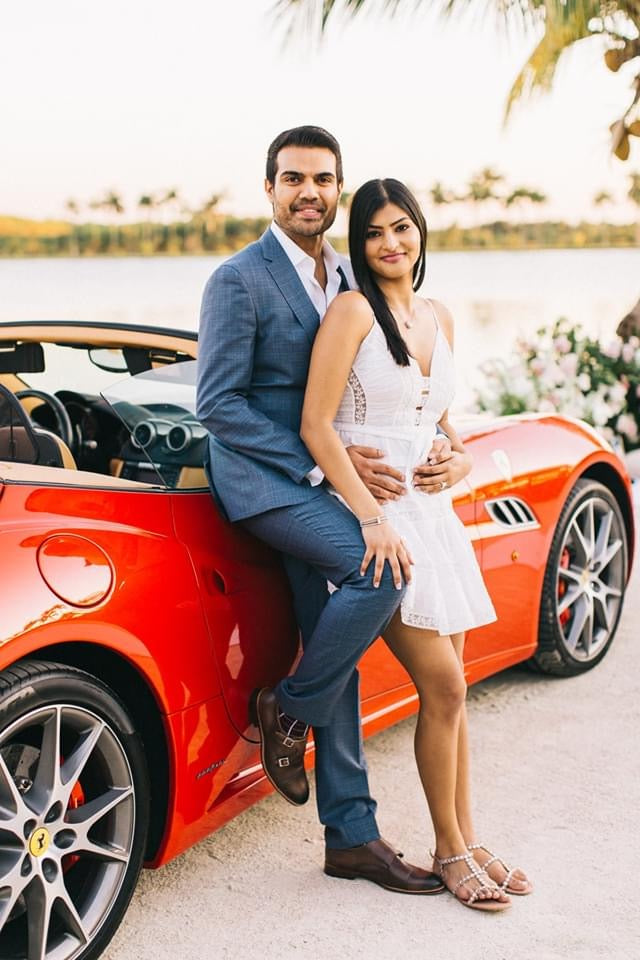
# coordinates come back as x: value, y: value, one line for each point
x: 569, y: 364
x: 562, y: 343
x: 628, y: 353
x: 627, y: 426
x: 537, y: 366
x: 612, y: 350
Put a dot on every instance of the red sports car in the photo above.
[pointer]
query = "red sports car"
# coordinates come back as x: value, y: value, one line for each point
x: 136, y: 621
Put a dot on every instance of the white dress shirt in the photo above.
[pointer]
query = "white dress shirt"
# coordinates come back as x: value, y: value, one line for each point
x: 305, y: 267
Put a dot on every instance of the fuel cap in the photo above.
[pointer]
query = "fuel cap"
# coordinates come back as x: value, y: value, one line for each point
x: 76, y: 569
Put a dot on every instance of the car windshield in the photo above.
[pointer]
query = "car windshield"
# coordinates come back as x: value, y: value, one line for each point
x: 167, y: 443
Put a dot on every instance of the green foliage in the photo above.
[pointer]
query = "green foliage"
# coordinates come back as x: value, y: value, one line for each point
x: 220, y: 235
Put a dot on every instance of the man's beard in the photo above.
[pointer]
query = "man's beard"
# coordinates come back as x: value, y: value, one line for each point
x: 314, y: 229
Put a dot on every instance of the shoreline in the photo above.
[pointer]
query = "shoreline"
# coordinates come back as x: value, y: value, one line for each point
x: 600, y: 248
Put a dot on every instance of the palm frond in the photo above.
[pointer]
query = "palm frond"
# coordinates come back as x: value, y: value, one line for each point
x: 565, y: 24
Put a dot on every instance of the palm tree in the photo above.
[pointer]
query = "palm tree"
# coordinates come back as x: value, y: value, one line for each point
x: 146, y: 205
x: 564, y: 22
x: 112, y: 204
x: 524, y: 195
x: 209, y: 217
x: 482, y: 187
x: 73, y: 209
x: 171, y: 202
x: 441, y: 197
x: 604, y: 199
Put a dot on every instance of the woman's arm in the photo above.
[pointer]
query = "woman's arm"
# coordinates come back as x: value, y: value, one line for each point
x: 345, y: 325
x: 347, y: 322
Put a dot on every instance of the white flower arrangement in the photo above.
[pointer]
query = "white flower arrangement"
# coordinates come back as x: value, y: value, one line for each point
x: 564, y: 371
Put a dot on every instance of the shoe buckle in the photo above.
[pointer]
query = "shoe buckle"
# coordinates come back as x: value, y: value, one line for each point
x: 283, y: 761
x: 288, y: 742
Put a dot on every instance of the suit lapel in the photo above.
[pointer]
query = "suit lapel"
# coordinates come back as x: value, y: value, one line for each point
x: 289, y: 284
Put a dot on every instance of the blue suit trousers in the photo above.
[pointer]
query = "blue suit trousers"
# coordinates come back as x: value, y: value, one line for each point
x: 321, y: 541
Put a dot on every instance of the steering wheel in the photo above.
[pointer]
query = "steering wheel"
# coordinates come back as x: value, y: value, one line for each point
x: 63, y: 422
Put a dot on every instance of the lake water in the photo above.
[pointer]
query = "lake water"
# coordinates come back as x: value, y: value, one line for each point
x: 494, y: 296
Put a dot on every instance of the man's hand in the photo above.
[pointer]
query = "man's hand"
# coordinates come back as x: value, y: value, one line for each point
x: 429, y: 478
x: 440, y: 449
x: 383, y: 481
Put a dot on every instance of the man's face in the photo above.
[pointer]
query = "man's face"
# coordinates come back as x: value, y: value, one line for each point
x: 305, y: 192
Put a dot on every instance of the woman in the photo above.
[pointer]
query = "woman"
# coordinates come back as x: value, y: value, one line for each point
x: 382, y: 375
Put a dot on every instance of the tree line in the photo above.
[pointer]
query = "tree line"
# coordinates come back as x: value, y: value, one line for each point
x: 163, y: 224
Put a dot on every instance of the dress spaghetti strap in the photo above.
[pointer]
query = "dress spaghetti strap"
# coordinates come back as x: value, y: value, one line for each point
x: 433, y: 311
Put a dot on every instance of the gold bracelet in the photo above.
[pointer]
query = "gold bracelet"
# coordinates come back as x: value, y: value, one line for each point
x: 373, y: 521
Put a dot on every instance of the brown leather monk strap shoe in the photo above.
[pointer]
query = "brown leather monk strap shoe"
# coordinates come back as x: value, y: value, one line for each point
x: 379, y: 862
x: 282, y: 756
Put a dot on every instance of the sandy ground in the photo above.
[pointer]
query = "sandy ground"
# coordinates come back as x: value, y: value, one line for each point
x: 557, y: 790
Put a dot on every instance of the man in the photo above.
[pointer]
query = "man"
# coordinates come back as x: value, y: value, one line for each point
x: 260, y: 313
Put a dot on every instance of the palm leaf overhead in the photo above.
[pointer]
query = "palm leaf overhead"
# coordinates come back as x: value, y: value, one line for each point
x: 562, y: 23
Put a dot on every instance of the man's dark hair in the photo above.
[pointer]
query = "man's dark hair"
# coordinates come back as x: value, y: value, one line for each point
x: 368, y: 199
x: 307, y: 136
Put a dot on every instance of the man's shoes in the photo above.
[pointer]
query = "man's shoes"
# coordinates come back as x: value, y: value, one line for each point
x: 282, y: 755
x: 378, y: 862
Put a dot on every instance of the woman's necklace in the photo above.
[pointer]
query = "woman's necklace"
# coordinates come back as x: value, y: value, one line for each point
x: 407, y: 324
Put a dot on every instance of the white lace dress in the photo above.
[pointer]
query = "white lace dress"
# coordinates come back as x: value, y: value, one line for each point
x: 396, y: 409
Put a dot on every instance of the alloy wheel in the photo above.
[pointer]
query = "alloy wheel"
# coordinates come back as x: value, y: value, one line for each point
x: 590, y: 578
x: 67, y: 824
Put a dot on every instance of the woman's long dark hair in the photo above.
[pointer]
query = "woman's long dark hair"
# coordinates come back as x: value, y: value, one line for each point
x: 367, y: 200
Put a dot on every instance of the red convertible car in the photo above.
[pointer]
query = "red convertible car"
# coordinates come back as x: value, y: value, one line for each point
x: 136, y: 620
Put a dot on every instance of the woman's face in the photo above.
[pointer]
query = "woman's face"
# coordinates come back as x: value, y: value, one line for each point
x: 392, y: 244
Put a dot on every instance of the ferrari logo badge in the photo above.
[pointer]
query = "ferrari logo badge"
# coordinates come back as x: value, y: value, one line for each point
x: 39, y: 842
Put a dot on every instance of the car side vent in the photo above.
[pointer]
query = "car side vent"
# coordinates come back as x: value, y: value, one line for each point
x: 511, y: 512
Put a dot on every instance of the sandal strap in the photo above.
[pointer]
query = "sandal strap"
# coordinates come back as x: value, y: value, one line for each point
x: 445, y: 861
x: 469, y: 876
x: 476, y: 893
x: 492, y: 857
x: 484, y: 883
x: 507, y: 880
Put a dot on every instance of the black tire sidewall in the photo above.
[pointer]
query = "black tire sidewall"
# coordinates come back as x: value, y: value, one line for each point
x: 31, y: 685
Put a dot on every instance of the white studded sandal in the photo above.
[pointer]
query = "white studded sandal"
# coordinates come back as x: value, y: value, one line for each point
x: 505, y: 886
x: 483, y: 883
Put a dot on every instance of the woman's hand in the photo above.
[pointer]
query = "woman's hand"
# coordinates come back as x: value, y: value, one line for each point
x: 383, y: 543
x: 435, y: 478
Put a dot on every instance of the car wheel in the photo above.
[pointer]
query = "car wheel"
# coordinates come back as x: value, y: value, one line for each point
x: 584, y: 582
x: 73, y: 812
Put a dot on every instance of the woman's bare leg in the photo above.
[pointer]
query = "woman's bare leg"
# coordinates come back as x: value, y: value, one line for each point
x: 463, y: 782
x: 463, y: 794
x: 436, y: 670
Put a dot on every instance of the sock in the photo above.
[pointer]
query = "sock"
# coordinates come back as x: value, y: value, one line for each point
x: 293, y: 728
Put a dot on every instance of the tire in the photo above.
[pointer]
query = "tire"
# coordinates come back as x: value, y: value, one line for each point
x: 74, y: 812
x: 584, y: 582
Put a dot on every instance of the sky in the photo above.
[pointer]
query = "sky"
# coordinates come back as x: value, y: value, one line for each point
x: 142, y: 96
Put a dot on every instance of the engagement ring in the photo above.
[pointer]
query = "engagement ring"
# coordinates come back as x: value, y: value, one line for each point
x: 443, y: 484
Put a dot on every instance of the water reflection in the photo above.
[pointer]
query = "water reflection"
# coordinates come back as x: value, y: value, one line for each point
x: 494, y: 296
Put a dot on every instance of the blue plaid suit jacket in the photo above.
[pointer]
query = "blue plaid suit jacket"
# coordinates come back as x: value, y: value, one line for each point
x: 257, y: 327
